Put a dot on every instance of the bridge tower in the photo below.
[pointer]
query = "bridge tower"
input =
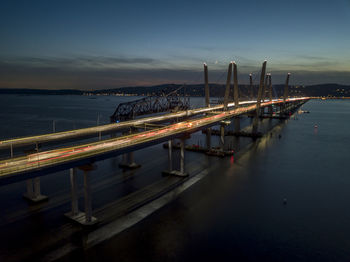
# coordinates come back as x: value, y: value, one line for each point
x: 270, y: 95
x: 264, y: 92
x: 251, y: 87
x: 235, y: 87
x: 261, y: 87
x: 228, y: 85
x: 285, y: 96
x: 207, y: 104
x: 206, y: 89
x: 258, y: 101
x: 236, y: 96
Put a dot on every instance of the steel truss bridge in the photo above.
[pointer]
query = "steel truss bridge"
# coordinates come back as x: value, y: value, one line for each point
x: 151, y: 105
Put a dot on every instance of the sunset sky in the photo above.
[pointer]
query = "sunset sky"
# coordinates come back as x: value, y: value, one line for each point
x: 107, y: 44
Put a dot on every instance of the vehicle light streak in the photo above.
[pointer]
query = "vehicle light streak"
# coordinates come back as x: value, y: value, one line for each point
x: 59, y: 156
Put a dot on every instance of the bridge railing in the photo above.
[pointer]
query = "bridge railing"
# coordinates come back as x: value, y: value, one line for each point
x: 37, y: 161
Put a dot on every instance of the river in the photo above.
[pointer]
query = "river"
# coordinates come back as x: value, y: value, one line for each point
x: 285, y: 198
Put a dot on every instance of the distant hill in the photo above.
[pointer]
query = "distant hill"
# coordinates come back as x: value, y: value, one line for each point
x: 25, y: 91
x: 216, y: 90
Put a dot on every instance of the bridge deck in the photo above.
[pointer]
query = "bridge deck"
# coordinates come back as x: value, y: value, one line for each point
x: 63, y: 158
x: 109, y: 128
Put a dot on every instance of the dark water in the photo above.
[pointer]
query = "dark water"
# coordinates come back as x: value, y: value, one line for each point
x: 234, y: 213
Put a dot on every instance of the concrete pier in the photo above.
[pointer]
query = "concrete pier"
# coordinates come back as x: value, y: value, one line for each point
x: 128, y: 161
x: 83, y: 218
x: 33, y: 192
x: 171, y: 171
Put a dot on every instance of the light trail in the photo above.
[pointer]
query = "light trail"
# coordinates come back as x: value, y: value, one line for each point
x: 93, y: 131
x: 37, y: 161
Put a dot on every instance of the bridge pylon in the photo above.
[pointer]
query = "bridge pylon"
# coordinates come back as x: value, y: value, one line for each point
x: 261, y: 87
x: 228, y: 85
x: 285, y: 94
x: 270, y: 95
x: 264, y: 93
x: 206, y: 83
x: 284, y: 106
x: 237, y: 121
x: 251, y: 87
x: 259, y: 98
x: 172, y: 171
x: 207, y: 104
x: 235, y: 85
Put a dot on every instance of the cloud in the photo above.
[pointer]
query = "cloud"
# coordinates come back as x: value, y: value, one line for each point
x: 96, y: 62
x: 88, y: 73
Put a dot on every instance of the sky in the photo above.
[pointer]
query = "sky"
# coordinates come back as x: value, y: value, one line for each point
x: 107, y: 44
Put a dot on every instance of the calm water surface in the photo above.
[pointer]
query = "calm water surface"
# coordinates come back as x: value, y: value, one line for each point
x: 236, y: 212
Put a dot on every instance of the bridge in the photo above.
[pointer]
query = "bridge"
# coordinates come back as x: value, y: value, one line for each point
x: 177, y: 125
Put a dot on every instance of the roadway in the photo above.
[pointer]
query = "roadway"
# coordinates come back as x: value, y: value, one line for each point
x: 105, y: 129
x: 59, y: 159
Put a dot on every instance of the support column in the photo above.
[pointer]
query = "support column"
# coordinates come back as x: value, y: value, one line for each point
x: 228, y: 84
x: 170, y: 159
x: 33, y: 193
x: 128, y: 160
x: 74, y: 191
x: 87, y: 197
x: 83, y: 218
x: 182, y: 156
x: 170, y: 155
x: 208, y: 139
x: 180, y: 172
x: 131, y: 158
x: 36, y: 186
x: 222, y: 137
x: 30, y: 191
x: 285, y: 96
x: 237, y: 124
